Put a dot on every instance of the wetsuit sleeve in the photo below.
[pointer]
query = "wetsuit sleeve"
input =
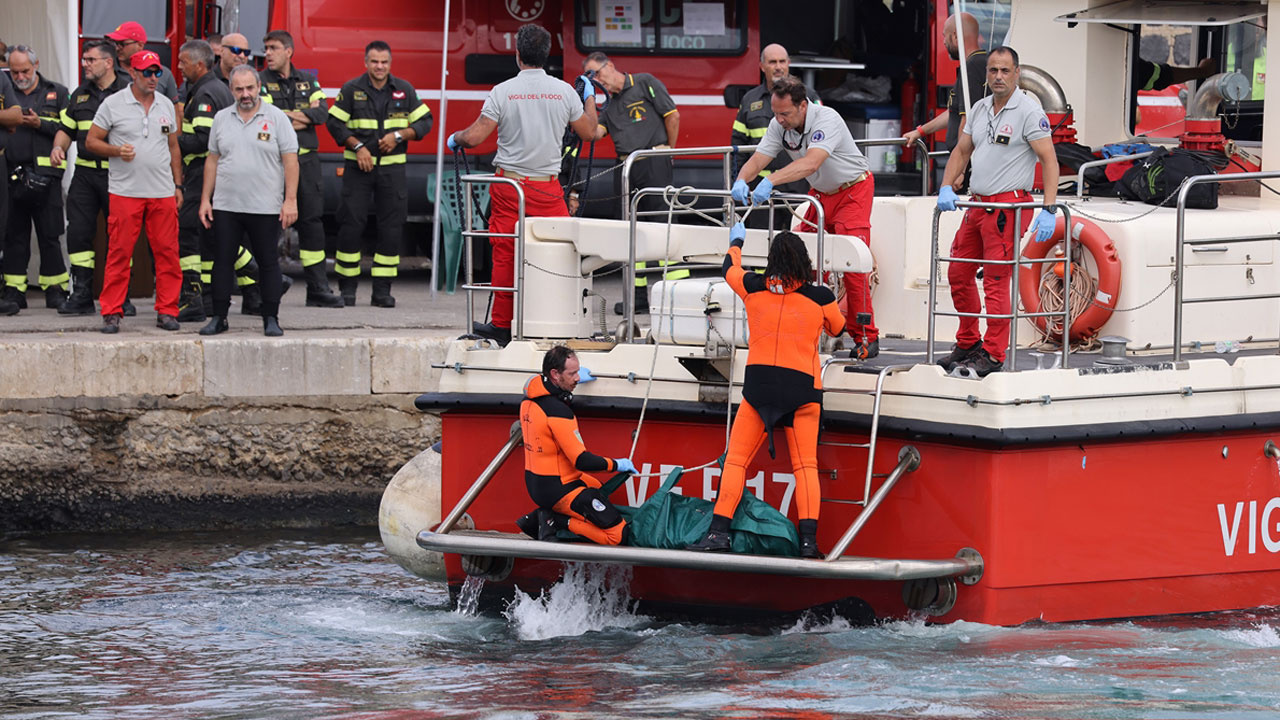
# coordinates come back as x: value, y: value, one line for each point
x: 339, y: 114
x: 420, y: 119
x: 568, y: 439
x: 733, y: 271
x: 832, y: 319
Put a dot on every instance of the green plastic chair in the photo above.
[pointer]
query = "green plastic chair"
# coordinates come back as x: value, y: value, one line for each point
x: 451, y: 220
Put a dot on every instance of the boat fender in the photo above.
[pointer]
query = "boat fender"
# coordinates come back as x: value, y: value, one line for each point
x: 411, y: 504
x: 1105, y: 258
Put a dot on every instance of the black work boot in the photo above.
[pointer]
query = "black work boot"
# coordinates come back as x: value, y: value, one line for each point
x: 8, y: 308
x: 382, y: 293
x: 250, y: 300
x: 80, y: 301
x: 318, y: 292
x: 271, y: 326
x: 54, y: 297
x: 191, y: 298
x: 717, y: 538
x: 959, y: 355
x: 127, y: 309
x: 809, y: 539
x: 15, y: 296
x: 347, y: 287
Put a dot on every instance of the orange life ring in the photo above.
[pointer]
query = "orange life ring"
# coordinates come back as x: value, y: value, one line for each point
x: 1105, y: 258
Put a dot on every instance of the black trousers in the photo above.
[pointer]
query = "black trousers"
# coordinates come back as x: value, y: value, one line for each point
x: 45, y: 212
x: 262, y: 232
x: 310, y: 227
x: 385, y: 191
x: 647, y: 172
x: 86, y: 198
x: 195, y: 242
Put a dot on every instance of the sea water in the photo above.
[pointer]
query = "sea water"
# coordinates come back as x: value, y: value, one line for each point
x: 321, y: 624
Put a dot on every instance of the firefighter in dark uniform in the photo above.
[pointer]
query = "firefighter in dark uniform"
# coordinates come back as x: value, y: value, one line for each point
x: 640, y: 115
x: 299, y: 95
x: 206, y: 95
x: 87, y: 196
x: 11, y: 116
x: 753, y: 119
x: 373, y: 119
x: 35, y: 184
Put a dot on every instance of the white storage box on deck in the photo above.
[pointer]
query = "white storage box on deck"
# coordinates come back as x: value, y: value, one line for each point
x: 679, y: 312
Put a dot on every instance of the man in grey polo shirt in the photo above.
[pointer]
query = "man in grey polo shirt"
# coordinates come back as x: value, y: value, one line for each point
x: 530, y: 112
x: 1006, y: 132
x: 140, y: 127
x: 822, y: 152
x: 250, y: 188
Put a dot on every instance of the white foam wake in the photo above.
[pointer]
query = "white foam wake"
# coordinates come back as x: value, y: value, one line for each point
x: 588, y: 598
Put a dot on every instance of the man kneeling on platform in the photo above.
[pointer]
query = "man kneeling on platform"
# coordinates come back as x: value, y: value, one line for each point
x: 556, y: 462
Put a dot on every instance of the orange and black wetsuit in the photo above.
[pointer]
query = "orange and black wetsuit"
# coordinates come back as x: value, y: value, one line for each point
x: 782, y: 384
x: 556, y: 464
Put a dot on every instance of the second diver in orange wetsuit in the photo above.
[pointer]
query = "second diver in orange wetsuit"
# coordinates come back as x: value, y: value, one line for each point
x: 782, y: 387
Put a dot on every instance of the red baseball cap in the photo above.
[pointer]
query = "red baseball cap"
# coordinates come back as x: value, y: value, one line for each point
x: 129, y: 31
x: 145, y: 59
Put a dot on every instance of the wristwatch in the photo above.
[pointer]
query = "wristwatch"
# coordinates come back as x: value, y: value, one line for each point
x: 399, y: 137
x: 1051, y: 209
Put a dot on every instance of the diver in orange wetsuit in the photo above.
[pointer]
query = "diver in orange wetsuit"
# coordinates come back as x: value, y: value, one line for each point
x: 556, y: 462
x: 782, y: 385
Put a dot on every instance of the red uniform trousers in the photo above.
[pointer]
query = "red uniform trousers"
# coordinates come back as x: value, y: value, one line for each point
x: 127, y: 218
x: 987, y: 235
x: 848, y: 212
x: 542, y: 198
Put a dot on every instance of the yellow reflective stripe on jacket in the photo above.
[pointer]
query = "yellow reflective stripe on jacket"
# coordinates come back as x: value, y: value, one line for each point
x: 188, y: 159
x: 394, y: 123
x: 202, y: 121
x: 44, y: 161
x: 187, y: 127
x: 739, y: 126
x: 84, y: 124
x: 266, y: 97
x: 384, y: 160
x: 339, y: 113
x: 67, y: 122
x: 317, y: 96
x: 91, y: 163
x: 418, y: 112
x: 303, y: 151
x: 362, y: 124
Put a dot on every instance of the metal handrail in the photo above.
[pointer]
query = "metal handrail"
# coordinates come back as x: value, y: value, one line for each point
x: 1017, y: 262
x: 628, y: 308
x: 908, y: 461
x: 516, y: 439
x: 725, y: 151
x: 518, y: 236
x: 919, y: 143
x: 1098, y: 163
x: 1182, y: 242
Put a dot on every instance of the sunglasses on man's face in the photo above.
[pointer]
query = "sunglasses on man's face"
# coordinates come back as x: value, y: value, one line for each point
x: 234, y: 50
x: 151, y: 72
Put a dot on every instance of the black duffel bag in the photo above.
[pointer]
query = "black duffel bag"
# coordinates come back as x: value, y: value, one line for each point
x: 1157, y: 178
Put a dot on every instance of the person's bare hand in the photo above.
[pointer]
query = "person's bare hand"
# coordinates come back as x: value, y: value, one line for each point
x: 387, y: 143
x: 364, y: 159
x: 57, y: 156
x: 126, y: 152
x: 288, y: 213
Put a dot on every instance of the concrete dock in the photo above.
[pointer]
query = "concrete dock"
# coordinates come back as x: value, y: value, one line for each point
x: 152, y: 429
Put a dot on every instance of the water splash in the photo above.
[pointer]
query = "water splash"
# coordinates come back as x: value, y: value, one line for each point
x: 588, y: 598
x: 1260, y: 636
x: 469, y: 596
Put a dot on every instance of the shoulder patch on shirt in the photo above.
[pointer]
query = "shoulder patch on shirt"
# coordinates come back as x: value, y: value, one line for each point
x: 1044, y: 123
x: 51, y: 95
x: 816, y: 137
x: 204, y: 107
x: 273, y: 86
x: 303, y: 86
x: 757, y: 105
x: 359, y: 95
x: 398, y: 94
x: 82, y: 98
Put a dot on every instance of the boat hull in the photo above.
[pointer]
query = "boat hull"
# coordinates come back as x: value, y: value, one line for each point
x: 1107, y: 528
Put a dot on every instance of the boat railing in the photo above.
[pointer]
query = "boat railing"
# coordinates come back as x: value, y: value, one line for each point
x: 677, y: 208
x: 1179, y: 300
x: 1017, y: 261
x: 472, y: 287
x: 874, y: 432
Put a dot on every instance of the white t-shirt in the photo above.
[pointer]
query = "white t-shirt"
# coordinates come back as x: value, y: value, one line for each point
x: 1003, y: 160
x: 826, y: 130
x: 532, y: 110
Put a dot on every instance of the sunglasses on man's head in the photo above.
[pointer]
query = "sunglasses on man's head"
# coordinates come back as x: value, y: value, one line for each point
x: 151, y: 72
x: 235, y: 50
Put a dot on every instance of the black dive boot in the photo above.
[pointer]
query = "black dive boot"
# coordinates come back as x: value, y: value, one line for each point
x: 191, y: 298
x: 318, y: 292
x: 80, y: 301
x: 809, y: 539
x: 541, y: 524
x: 717, y: 539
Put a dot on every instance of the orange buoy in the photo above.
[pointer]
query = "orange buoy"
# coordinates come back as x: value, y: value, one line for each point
x: 1105, y: 257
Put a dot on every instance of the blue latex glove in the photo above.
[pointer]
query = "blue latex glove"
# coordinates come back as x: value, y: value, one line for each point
x: 762, y: 191
x: 737, y: 234
x: 740, y: 192
x: 1044, y: 225
x: 452, y: 143
x: 626, y: 466
x: 947, y: 198
x: 588, y: 90
x: 585, y: 376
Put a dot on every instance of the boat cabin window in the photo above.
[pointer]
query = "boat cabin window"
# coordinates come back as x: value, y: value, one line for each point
x: 662, y: 27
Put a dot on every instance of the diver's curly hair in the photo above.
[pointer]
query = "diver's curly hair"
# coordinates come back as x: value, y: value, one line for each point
x: 789, y: 258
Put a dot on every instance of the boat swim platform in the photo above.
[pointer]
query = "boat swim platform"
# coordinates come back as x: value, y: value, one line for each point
x: 967, y: 566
